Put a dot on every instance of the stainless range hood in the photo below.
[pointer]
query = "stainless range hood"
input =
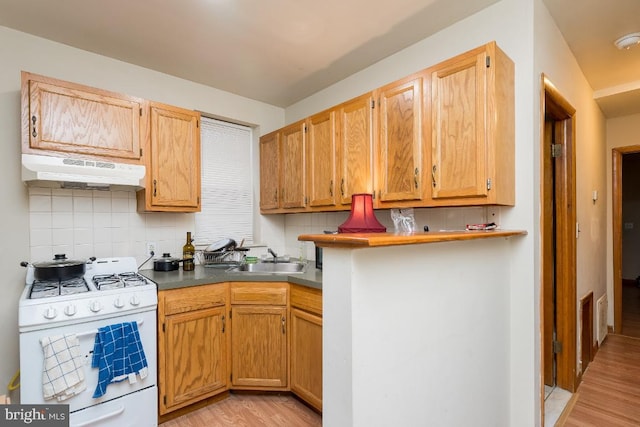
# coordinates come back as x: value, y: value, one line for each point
x: 80, y: 173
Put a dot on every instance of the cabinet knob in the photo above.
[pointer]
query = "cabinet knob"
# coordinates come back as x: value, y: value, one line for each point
x: 342, y: 187
x: 331, y: 188
x: 155, y: 188
x: 283, y: 329
x: 33, y: 120
x: 415, y: 178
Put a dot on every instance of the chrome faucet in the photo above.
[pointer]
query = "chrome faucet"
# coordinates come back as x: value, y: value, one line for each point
x: 275, y: 255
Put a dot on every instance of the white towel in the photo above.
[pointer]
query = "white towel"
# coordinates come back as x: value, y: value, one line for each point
x: 63, y: 372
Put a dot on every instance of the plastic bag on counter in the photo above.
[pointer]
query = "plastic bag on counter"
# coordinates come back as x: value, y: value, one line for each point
x: 403, y: 220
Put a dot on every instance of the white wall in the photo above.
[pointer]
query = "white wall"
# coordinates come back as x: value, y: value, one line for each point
x: 510, y: 23
x: 20, y: 51
x: 410, y: 342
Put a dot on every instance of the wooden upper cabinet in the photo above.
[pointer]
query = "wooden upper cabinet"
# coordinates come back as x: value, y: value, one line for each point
x: 472, y: 129
x: 399, y: 141
x: 270, y: 171
x: 441, y: 137
x: 64, y: 118
x: 173, y: 167
x: 292, y: 163
x: 355, y: 147
x: 321, y: 159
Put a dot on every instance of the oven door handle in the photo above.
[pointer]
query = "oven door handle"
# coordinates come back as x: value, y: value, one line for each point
x: 95, y: 331
x: 118, y: 411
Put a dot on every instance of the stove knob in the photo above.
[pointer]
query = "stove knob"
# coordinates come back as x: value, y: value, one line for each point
x: 95, y: 306
x: 135, y: 301
x: 50, y: 313
x: 70, y: 310
x: 118, y: 303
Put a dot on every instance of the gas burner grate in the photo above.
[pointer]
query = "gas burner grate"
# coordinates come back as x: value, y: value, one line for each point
x: 133, y: 279
x: 52, y: 288
x: 105, y: 282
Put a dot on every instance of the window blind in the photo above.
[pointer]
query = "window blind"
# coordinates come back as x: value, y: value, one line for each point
x: 227, y: 192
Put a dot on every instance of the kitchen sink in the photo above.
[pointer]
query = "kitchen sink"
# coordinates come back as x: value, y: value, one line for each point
x: 270, y: 267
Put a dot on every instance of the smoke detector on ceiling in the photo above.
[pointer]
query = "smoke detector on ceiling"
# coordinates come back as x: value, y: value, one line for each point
x: 628, y: 41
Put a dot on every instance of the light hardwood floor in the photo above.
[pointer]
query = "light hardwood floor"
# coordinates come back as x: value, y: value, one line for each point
x: 251, y: 410
x: 609, y: 394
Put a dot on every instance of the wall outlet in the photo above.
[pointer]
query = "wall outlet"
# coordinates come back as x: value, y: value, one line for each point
x: 151, y: 247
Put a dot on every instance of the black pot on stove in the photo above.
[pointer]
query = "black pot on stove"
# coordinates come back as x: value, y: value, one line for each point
x: 59, y: 269
x: 166, y: 263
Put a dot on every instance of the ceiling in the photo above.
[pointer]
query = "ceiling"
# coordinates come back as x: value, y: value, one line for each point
x: 281, y: 51
x: 276, y: 51
x: 590, y: 27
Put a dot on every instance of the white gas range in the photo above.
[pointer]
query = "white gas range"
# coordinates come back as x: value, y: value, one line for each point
x: 111, y: 293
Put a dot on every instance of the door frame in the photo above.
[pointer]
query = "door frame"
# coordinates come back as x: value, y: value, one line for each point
x: 616, y: 171
x: 554, y: 105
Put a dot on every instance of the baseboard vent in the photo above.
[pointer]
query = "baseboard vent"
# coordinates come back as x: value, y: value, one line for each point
x: 602, y: 307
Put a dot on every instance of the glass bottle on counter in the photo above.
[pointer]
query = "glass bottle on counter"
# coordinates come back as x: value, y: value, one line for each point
x: 188, y: 252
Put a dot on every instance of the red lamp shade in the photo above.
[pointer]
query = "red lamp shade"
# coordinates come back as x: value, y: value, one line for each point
x: 362, y: 219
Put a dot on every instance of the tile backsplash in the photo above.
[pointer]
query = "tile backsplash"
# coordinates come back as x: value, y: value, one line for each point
x: 86, y: 223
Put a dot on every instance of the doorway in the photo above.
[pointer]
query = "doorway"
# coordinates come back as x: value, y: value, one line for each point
x: 558, y: 241
x: 626, y: 312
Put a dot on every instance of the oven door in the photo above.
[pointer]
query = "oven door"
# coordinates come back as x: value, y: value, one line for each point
x: 31, y: 361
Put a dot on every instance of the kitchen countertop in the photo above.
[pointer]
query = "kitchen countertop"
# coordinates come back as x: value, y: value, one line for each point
x: 367, y: 240
x: 207, y: 275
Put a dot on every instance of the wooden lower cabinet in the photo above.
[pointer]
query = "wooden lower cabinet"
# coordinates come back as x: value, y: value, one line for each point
x: 306, y: 357
x: 259, y: 347
x: 306, y: 344
x: 192, y: 343
x: 240, y: 336
x: 259, y: 329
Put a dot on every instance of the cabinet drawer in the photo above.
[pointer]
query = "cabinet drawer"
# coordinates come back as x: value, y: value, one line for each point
x: 194, y: 298
x: 308, y: 299
x: 272, y: 293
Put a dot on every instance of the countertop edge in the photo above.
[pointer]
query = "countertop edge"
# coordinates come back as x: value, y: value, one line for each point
x: 368, y: 240
x: 205, y: 276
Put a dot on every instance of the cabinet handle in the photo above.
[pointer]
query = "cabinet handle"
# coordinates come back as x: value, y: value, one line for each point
x: 155, y: 188
x: 224, y: 323
x: 415, y: 178
x: 275, y: 198
x: 331, y: 188
x: 33, y: 120
x: 433, y: 176
x: 342, y: 187
x: 283, y: 320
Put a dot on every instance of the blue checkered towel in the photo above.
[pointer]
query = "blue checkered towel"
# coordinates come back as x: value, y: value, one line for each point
x: 118, y: 354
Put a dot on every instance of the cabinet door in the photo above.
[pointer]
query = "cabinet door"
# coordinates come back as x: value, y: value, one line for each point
x: 355, y: 119
x: 321, y: 168
x: 259, y: 347
x: 458, y: 144
x: 306, y: 357
x: 70, y: 118
x: 399, y: 141
x: 175, y: 159
x: 292, y: 142
x: 195, y: 350
x: 269, y: 171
